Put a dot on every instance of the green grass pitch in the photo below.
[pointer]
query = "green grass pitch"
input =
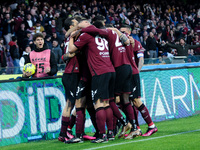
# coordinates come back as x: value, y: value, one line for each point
x: 177, y: 134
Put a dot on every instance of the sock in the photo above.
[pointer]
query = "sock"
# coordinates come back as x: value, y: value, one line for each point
x: 145, y: 114
x: 152, y: 126
x: 101, y: 119
x: 92, y: 113
x: 83, y: 125
x: 130, y: 115
x: 109, y: 117
x: 135, y: 110
x: 80, y: 112
x: 72, y: 121
x: 117, y: 113
x: 64, y: 124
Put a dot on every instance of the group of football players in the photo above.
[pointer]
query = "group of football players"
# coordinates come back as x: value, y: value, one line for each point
x: 102, y: 76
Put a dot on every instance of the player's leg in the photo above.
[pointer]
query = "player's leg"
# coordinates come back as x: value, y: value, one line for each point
x: 80, y: 120
x: 72, y: 120
x: 109, y: 111
x: 109, y: 121
x: 142, y: 108
x: 101, y: 121
x: 100, y: 93
x: 131, y: 116
x: 65, y: 122
x: 92, y: 113
x: 70, y: 90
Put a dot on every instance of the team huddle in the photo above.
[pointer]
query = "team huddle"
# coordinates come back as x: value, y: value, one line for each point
x: 102, y: 76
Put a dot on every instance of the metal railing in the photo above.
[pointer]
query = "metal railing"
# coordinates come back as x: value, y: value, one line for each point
x: 147, y: 61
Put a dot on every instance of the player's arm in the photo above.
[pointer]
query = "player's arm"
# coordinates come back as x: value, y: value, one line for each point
x: 70, y: 31
x: 123, y: 38
x: 92, y: 30
x: 141, y: 62
x: 72, y: 47
x: 67, y: 56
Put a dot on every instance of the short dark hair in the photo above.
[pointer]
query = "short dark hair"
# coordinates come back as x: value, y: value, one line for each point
x: 181, y: 38
x: 78, y: 18
x: 14, y: 38
x: 109, y: 25
x: 35, y: 36
x: 98, y: 18
x: 125, y: 26
x: 98, y: 24
x: 68, y: 22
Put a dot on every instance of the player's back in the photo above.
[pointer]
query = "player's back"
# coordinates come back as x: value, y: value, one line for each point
x: 117, y: 50
x: 97, y: 53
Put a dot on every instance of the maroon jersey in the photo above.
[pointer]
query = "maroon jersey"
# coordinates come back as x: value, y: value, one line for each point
x: 97, y: 53
x: 84, y: 69
x: 72, y: 66
x: 138, y: 51
x: 117, y: 50
x: 131, y: 57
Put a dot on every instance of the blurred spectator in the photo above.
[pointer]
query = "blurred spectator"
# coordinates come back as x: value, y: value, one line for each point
x: 134, y: 34
x: 57, y: 51
x: 14, y: 52
x: 185, y: 29
x: 58, y: 22
x: 144, y: 44
x: 47, y: 40
x: 27, y: 39
x: 21, y: 34
x: 57, y: 38
x: 8, y: 24
x: 151, y: 46
x: 182, y: 48
x: 196, y: 42
x: 28, y: 21
x: 171, y: 36
x: 44, y: 34
x: 22, y: 60
x: 174, y: 19
x: 18, y: 20
x: 38, y: 27
x: 197, y: 29
x: 190, y: 37
x: 2, y: 56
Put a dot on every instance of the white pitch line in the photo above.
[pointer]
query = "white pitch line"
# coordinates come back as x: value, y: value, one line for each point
x: 142, y: 140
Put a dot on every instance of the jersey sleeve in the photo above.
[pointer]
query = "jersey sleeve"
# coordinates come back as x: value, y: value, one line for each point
x: 92, y: 30
x: 139, y: 49
x: 83, y: 40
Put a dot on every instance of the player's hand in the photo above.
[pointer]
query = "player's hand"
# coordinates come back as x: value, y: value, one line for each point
x: 26, y: 74
x: 75, y: 34
x: 132, y: 41
x: 47, y: 70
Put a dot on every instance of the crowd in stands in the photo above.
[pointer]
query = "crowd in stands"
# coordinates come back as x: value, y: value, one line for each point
x: 153, y: 23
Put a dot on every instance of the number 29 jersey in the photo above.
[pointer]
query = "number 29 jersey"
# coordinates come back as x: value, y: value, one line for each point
x: 97, y: 52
